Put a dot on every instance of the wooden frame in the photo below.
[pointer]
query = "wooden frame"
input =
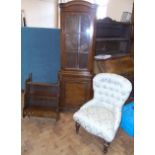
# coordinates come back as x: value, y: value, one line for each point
x: 41, y: 99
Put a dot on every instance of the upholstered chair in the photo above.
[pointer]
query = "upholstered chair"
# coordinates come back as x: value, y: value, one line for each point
x: 101, y: 116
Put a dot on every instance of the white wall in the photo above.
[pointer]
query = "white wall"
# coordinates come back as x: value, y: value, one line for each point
x: 40, y: 13
x: 117, y: 7
x: 43, y: 13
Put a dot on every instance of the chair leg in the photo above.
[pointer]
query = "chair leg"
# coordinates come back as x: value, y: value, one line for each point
x: 24, y: 113
x: 106, y: 146
x: 77, y: 125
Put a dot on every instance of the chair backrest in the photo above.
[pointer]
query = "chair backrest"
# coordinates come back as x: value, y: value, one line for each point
x: 111, y: 89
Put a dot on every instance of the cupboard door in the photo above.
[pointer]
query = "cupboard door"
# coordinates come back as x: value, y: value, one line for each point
x: 84, y: 41
x: 75, y: 91
x: 77, y: 36
x: 71, y: 37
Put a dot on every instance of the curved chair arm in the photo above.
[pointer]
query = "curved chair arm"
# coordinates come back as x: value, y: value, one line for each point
x: 117, y: 115
x: 88, y: 104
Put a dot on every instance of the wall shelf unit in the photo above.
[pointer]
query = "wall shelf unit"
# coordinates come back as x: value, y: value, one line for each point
x: 112, y: 37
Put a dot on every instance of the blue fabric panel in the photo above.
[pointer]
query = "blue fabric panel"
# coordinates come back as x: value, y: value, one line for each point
x: 127, y: 122
x: 40, y: 54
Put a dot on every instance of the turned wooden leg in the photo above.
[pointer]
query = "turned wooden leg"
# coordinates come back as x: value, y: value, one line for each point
x: 57, y: 117
x: 77, y: 125
x: 24, y: 113
x: 106, y: 145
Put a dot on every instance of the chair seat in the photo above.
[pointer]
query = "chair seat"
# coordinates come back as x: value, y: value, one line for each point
x: 92, y: 119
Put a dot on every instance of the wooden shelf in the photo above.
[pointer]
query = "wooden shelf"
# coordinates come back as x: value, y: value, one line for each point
x: 41, y: 94
x: 112, y: 35
x: 41, y: 99
x: 112, y: 39
x: 41, y: 112
x: 115, y: 56
x: 41, y: 84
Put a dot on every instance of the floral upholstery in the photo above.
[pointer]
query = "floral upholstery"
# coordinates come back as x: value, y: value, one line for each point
x: 101, y: 116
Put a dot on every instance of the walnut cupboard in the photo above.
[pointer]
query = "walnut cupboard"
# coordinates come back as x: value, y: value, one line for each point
x: 77, y: 52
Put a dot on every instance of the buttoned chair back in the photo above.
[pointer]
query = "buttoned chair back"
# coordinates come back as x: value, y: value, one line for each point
x: 111, y: 90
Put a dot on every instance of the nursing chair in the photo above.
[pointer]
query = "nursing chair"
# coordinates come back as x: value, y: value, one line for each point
x: 101, y: 115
